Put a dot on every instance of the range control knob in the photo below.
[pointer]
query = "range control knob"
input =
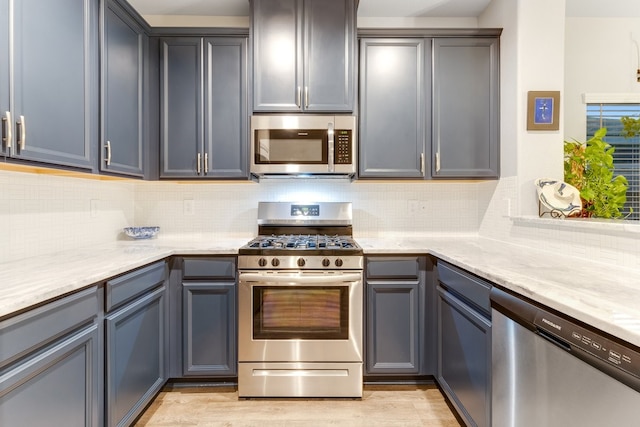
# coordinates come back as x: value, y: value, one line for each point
x: 301, y: 262
x: 262, y: 262
x: 326, y: 262
x: 338, y: 262
x: 275, y: 262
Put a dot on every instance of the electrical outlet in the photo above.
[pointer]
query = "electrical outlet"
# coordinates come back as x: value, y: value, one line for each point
x: 93, y: 208
x: 506, y: 207
x: 188, y: 207
x: 416, y: 206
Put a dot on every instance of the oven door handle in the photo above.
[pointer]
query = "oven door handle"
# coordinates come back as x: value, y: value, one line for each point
x: 300, y: 279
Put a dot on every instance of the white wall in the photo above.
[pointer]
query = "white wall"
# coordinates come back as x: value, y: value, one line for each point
x: 533, y: 58
x: 601, y: 57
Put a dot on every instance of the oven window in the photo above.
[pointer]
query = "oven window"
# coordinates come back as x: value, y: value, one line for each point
x: 286, y: 146
x: 301, y: 312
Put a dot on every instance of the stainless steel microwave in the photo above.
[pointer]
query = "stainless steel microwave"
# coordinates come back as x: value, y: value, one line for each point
x: 303, y: 145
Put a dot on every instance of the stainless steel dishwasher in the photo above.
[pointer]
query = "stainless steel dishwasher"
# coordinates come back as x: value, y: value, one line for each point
x: 549, y: 370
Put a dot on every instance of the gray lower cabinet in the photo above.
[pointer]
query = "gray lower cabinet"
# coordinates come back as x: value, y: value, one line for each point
x: 394, y: 114
x: 303, y: 55
x: 51, y: 364
x: 464, y: 343
x: 209, y: 317
x: 124, y: 48
x: 204, y: 113
x: 466, y: 100
x: 53, y: 116
x: 135, y: 332
x: 396, y: 338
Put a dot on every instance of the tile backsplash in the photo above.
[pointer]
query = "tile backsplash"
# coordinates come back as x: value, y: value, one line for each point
x: 380, y: 208
x: 43, y: 213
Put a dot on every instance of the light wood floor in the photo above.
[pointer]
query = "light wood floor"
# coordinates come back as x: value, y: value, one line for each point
x: 405, y: 406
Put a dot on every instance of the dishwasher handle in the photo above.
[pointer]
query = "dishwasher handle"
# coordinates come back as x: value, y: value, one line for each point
x: 554, y: 340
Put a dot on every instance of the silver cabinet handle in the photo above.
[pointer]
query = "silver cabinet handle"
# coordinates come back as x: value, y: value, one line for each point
x: 306, y: 97
x: 23, y: 133
x: 108, y: 159
x: 299, y: 97
x: 422, y: 163
x: 206, y: 163
x: 438, y: 162
x: 198, y: 166
x: 7, y: 138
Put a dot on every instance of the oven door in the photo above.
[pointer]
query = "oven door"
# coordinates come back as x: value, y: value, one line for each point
x: 300, y: 316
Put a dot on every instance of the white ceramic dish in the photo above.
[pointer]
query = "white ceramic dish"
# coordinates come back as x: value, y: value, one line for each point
x: 141, y: 232
x: 558, y: 196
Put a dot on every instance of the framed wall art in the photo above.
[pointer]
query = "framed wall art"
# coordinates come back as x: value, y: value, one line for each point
x: 543, y: 110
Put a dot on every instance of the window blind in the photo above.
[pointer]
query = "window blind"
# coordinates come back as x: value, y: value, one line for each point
x: 626, y: 157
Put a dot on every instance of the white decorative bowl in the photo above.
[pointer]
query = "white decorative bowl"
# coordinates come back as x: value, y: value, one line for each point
x: 141, y: 232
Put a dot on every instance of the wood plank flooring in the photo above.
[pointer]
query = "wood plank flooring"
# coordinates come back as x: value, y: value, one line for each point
x: 380, y: 406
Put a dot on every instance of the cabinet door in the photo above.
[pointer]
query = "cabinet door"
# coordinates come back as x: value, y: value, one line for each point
x: 122, y: 115
x: 181, y: 107
x: 58, y: 387
x: 4, y: 77
x: 209, y: 329
x: 329, y: 55
x: 135, y: 364
x: 394, y: 328
x: 393, y: 113
x: 277, y: 55
x: 226, y: 112
x: 466, y: 121
x: 464, y: 358
x: 55, y: 81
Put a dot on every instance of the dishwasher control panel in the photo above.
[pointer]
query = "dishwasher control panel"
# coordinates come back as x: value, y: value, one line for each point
x: 589, y: 341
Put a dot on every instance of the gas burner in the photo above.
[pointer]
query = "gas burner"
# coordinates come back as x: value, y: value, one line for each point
x: 302, y: 242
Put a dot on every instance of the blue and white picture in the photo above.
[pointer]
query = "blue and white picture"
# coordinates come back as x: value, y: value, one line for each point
x: 543, y: 111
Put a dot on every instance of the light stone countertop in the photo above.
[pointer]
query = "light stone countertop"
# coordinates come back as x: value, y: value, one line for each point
x: 606, y: 298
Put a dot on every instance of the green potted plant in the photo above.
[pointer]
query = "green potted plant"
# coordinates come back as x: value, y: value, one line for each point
x: 588, y: 166
x: 630, y: 126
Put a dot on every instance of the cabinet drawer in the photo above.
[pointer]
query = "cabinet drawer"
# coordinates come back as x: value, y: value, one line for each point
x: 393, y: 267
x: 210, y: 268
x: 468, y: 287
x: 26, y: 332
x: 127, y: 287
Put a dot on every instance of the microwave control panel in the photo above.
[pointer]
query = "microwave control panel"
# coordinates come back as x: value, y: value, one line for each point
x: 343, y: 147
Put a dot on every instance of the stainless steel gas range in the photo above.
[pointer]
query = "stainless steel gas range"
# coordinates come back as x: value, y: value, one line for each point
x: 300, y: 303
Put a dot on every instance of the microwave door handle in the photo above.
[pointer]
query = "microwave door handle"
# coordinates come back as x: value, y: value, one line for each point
x: 331, y: 147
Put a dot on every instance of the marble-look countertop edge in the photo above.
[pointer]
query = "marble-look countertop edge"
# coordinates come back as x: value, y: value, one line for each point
x: 596, y: 296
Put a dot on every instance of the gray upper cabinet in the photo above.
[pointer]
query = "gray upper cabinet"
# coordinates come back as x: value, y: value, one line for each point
x: 466, y: 124
x: 393, y: 111
x: 54, y: 75
x: 303, y: 55
x: 123, y: 51
x: 4, y: 78
x: 204, y: 113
